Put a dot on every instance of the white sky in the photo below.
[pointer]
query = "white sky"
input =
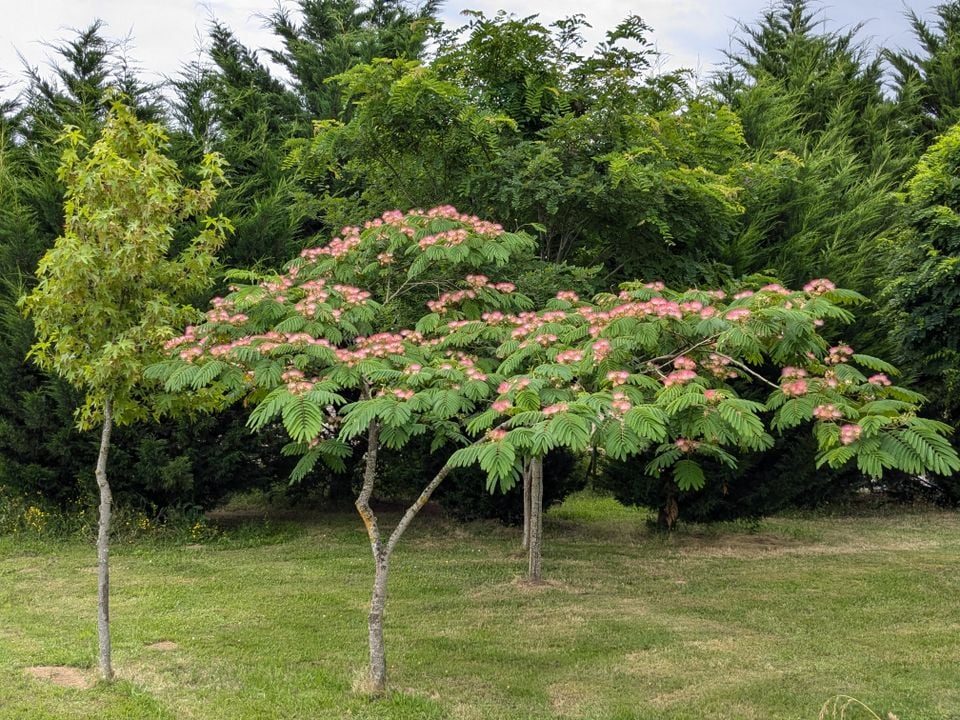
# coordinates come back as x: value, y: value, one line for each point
x: 166, y: 33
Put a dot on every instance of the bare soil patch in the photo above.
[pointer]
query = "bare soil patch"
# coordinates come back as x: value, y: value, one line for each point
x: 163, y: 646
x: 62, y: 675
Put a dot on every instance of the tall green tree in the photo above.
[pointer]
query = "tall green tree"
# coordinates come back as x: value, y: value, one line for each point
x: 614, y: 168
x: 40, y: 450
x: 927, y: 80
x: 331, y: 36
x: 108, y: 295
x: 826, y: 139
x: 922, y: 297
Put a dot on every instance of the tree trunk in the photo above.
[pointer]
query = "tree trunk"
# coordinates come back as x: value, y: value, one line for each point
x: 669, y: 511
x: 377, y: 674
x: 536, y: 520
x: 377, y: 671
x: 525, y: 543
x: 103, y: 545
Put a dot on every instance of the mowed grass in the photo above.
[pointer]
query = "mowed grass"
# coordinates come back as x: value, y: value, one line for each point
x: 711, y: 622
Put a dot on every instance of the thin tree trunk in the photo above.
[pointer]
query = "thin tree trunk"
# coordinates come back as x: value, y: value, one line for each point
x: 525, y: 544
x: 377, y: 671
x: 103, y: 545
x: 377, y: 675
x: 669, y: 510
x: 536, y: 520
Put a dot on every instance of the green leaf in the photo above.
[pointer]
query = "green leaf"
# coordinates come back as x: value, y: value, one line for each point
x: 498, y: 460
x: 688, y: 475
x: 569, y: 430
x: 302, y: 419
x: 304, y: 466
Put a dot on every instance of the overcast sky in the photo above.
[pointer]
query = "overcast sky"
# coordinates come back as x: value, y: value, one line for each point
x: 166, y: 33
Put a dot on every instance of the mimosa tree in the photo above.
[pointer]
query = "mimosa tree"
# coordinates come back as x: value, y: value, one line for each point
x: 649, y: 371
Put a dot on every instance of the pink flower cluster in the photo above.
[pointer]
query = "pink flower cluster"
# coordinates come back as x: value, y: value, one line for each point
x: 408, y: 224
x: 711, y: 395
x: 654, y: 307
x: 315, y: 293
x: 222, y: 312
x: 189, y: 336
x: 295, y: 382
x: 448, y: 238
x: 679, y: 377
x: 352, y: 295
x: 519, y: 384
x: 827, y: 412
x: 849, y: 434
x: 686, y: 445
x: 476, y: 282
x: 795, y: 388
x: 568, y: 295
x: 526, y: 323
x: 440, y: 305
x: 554, y: 409
x: 501, y: 406
x: 775, y: 288
x: 618, y: 377
x: 737, y: 314
x: 601, y: 348
x: 879, y: 379
x: 378, y: 346
x: 496, y: 435
x: 545, y: 340
x: 795, y: 384
x: 684, y: 363
x: 838, y: 354
x: 819, y: 286
x: 466, y: 365
x: 448, y: 212
x: 221, y: 315
x: 718, y: 366
x: 568, y: 357
x: 336, y: 248
x: 621, y: 403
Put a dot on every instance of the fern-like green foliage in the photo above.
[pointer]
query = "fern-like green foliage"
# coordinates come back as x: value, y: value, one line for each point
x: 327, y: 359
x: 657, y: 372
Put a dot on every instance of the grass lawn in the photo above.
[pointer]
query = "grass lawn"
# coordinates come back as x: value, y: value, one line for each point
x: 708, y: 623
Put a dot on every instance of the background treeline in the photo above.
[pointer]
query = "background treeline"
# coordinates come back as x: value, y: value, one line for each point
x: 809, y: 154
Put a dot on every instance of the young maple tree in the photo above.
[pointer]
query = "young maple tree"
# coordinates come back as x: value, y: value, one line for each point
x: 108, y: 295
x: 332, y: 362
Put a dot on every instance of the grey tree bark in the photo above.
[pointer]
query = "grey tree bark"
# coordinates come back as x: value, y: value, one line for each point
x: 525, y: 543
x: 536, y: 520
x: 103, y: 545
x: 377, y: 671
